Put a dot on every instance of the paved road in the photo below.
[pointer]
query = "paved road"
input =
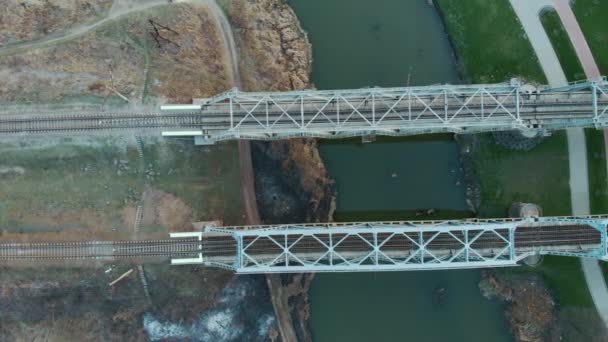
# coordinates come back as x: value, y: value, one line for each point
x: 528, y: 13
x: 577, y: 38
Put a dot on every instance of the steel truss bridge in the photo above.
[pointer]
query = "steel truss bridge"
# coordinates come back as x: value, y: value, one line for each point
x: 347, y: 247
x: 397, y: 246
x: 340, y: 113
x: 401, y: 111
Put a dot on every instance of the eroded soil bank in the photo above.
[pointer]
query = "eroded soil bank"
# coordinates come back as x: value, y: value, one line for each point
x: 292, y: 184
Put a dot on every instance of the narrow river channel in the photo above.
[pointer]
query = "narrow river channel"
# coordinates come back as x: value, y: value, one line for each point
x: 359, y: 43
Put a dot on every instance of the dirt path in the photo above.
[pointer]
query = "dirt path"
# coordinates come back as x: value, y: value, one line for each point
x: 228, y: 36
x: 248, y: 183
x: 278, y: 296
x: 119, y: 8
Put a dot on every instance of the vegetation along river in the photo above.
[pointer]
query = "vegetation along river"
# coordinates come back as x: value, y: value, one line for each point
x: 358, y: 43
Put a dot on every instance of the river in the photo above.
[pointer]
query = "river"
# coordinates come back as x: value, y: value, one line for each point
x: 359, y: 43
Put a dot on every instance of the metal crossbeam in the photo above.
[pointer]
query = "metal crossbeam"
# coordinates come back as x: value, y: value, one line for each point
x: 412, y: 245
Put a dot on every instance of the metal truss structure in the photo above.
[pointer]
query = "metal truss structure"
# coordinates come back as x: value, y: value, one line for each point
x: 398, y: 111
x: 398, y: 246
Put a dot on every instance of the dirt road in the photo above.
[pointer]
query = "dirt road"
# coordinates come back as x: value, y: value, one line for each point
x: 119, y: 9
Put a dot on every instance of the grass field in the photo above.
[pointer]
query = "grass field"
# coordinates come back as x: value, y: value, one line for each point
x: 563, y: 47
x: 88, y: 185
x: 598, y: 179
x: 539, y: 176
x: 58, y: 180
x: 205, y: 178
x: 489, y: 41
x: 591, y: 16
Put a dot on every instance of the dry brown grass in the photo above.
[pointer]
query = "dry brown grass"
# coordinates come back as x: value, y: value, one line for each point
x: 189, y: 63
x: 27, y: 20
x: 274, y: 51
x: 195, y: 64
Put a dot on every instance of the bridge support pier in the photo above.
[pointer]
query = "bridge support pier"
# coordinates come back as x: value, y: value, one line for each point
x: 202, y: 140
x: 533, y: 260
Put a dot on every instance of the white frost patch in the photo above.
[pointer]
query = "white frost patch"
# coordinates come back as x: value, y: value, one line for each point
x: 14, y: 170
x: 218, y: 326
x: 158, y: 330
x: 211, y: 327
x: 264, y: 324
x: 234, y: 293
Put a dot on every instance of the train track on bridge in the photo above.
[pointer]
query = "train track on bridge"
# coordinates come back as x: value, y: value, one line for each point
x: 576, y: 237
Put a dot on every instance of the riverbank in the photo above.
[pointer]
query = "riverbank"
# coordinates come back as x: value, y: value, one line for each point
x: 401, y: 178
x: 291, y: 183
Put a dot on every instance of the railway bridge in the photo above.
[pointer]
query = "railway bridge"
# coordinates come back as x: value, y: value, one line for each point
x: 349, y: 247
x: 340, y: 113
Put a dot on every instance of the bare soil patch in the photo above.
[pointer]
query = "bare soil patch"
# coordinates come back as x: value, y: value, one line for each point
x: 166, y: 210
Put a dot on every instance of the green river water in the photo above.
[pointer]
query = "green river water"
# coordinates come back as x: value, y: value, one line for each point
x: 359, y: 43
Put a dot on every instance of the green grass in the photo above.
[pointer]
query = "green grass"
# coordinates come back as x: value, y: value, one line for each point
x: 598, y: 179
x: 539, y: 176
x: 492, y: 47
x: 65, y: 177
x: 225, y: 6
x: 591, y: 16
x: 42, y: 180
x: 562, y: 46
x: 206, y: 178
x: 489, y: 40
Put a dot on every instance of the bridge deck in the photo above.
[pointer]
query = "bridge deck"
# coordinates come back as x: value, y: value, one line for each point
x: 379, y: 246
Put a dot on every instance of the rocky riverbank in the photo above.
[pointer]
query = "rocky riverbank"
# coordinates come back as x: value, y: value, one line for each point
x: 531, y: 310
x: 468, y: 143
x: 292, y: 184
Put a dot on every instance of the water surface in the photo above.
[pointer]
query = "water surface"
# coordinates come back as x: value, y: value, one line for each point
x: 358, y: 43
x: 396, y: 176
x: 404, y: 306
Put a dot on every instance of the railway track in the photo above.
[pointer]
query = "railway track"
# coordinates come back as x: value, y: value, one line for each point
x: 211, y: 247
x: 217, y: 118
x: 100, y: 249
